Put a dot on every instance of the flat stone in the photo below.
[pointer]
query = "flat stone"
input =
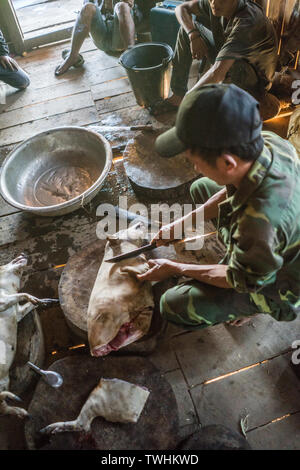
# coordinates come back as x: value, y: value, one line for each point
x: 157, y: 427
x: 152, y: 174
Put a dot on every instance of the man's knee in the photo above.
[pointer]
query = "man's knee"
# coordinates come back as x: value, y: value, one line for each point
x: 25, y: 83
x: 88, y: 11
x: 174, y: 307
x: 122, y: 8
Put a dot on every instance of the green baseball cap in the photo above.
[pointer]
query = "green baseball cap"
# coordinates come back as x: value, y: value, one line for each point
x: 212, y: 117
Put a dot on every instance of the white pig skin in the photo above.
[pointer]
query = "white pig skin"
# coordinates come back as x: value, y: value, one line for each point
x: 113, y: 399
x: 10, y: 314
x: 118, y: 298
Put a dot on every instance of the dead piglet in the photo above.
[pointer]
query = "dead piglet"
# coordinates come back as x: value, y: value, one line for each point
x: 11, y: 312
x: 120, y: 307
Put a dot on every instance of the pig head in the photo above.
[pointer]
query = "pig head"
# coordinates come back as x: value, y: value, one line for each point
x: 120, y: 307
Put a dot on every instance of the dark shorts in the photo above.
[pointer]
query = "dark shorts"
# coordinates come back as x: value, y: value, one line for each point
x: 105, y: 30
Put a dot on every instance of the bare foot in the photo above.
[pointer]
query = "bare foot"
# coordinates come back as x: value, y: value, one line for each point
x: 64, y: 67
x: 240, y: 321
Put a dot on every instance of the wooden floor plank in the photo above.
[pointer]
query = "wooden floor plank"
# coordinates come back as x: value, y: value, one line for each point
x: 6, y: 209
x: 110, y: 88
x: 42, y: 54
x: 115, y: 103
x: 226, y: 348
x: 265, y: 393
x: 47, y: 109
x: 91, y: 72
x: 76, y: 84
x: 18, y: 4
x: 30, y: 96
x: 19, y: 133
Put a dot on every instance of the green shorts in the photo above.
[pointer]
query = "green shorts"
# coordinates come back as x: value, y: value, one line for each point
x: 105, y: 32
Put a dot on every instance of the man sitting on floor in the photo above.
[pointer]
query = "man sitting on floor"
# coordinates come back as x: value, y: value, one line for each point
x: 10, y: 72
x: 236, y: 39
x: 251, y: 192
x: 112, y: 25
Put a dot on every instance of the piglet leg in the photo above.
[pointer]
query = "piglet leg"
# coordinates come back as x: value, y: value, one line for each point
x: 22, y: 310
x: 62, y: 427
x: 5, y: 409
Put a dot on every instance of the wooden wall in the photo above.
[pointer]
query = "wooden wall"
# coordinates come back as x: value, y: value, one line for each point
x: 285, y: 16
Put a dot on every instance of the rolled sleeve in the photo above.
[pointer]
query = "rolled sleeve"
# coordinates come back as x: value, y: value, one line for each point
x: 254, y: 259
x: 241, y: 42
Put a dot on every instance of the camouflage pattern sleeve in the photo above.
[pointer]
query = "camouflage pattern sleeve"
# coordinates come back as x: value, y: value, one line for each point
x: 255, y: 254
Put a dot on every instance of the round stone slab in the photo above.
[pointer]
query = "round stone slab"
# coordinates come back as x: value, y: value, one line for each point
x: 294, y: 130
x: 30, y: 347
x: 75, y: 287
x: 157, y: 427
x: 152, y: 175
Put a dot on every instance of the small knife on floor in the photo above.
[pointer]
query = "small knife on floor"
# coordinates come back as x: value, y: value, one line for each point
x: 152, y: 246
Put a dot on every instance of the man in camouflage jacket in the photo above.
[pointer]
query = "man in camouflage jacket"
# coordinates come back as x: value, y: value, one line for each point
x: 251, y: 192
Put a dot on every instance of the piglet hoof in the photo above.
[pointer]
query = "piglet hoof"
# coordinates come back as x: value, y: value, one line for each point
x: 48, y: 302
x: 19, y: 413
x: 51, y: 429
x: 5, y: 409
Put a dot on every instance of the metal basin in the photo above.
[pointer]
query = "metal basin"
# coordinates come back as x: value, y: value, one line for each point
x: 57, y: 171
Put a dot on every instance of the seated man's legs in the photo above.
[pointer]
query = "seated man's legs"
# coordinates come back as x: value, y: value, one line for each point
x: 182, y: 62
x: 183, y: 58
x: 15, y: 78
x: 194, y: 305
x: 81, y: 30
x: 123, y: 27
x: 104, y: 33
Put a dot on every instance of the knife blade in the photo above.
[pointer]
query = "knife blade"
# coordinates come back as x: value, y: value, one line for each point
x: 131, y: 254
x: 152, y: 246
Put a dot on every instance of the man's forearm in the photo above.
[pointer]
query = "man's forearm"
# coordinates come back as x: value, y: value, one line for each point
x: 214, y: 274
x: 216, y: 74
x: 184, y: 18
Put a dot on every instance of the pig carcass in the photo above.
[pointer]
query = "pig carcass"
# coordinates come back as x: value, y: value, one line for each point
x: 113, y: 399
x: 120, y: 307
x: 11, y: 312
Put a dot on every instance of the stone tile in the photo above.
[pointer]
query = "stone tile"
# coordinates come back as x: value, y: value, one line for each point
x: 186, y: 409
x: 283, y: 435
x: 264, y: 392
x: 214, y: 351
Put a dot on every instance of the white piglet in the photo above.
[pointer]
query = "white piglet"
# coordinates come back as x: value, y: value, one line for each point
x: 11, y: 312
